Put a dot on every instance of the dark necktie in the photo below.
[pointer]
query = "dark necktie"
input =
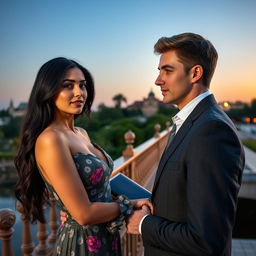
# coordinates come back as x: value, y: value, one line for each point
x: 171, y: 136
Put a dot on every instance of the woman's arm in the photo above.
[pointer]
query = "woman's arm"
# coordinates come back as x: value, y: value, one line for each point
x: 55, y: 161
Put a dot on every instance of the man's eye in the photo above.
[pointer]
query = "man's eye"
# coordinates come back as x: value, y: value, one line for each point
x: 168, y: 71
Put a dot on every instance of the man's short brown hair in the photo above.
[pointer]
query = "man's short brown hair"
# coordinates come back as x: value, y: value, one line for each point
x: 192, y: 49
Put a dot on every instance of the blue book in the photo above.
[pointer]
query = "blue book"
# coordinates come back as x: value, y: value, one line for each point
x: 123, y: 185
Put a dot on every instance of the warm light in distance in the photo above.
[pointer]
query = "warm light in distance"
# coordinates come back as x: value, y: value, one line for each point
x: 226, y: 104
x: 247, y: 119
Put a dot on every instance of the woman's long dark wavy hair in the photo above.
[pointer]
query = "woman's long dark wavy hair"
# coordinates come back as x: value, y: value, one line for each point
x: 30, y: 189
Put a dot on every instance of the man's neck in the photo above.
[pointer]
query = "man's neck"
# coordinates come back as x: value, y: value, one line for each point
x: 191, y: 96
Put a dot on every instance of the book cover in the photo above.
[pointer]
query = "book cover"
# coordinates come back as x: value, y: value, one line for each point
x: 123, y: 185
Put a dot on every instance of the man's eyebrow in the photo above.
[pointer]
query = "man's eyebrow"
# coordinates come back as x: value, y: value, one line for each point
x: 166, y: 66
x: 73, y: 81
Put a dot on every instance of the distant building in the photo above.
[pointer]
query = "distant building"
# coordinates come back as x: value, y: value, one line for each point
x: 149, y: 106
x: 19, y: 111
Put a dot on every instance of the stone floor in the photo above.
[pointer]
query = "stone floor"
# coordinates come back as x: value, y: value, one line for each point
x: 244, y: 247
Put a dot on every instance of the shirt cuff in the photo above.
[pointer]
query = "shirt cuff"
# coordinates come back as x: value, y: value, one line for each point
x: 141, y: 222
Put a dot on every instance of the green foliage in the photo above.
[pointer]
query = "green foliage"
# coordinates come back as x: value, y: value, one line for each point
x: 118, y: 99
x: 250, y: 143
x: 6, y: 155
x: 238, y: 114
x: 89, y: 124
x: 4, y: 113
x: 12, y: 129
x: 131, y: 113
x: 107, y: 114
x: 111, y: 137
x: 167, y: 110
x: 253, y: 107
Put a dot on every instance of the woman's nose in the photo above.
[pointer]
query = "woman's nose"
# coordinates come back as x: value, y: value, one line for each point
x: 77, y: 91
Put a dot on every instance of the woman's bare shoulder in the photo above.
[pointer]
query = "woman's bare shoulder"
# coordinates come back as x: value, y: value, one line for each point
x: 50, y: 136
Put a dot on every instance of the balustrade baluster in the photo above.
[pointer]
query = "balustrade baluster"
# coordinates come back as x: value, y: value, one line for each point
x: 157, y: 129
x: 53, y: 221
x: 41, y: 249
x: 27, y: 245
x: 7, y: 220
x: 168, y: 124
x: 129, y: 139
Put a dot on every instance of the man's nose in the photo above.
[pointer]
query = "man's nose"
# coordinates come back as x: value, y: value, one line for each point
x: 159, y: 80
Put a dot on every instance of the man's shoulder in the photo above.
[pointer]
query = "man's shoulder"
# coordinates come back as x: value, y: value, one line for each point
x: 214, y: 114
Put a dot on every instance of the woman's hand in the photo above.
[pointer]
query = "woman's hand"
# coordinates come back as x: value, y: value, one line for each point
x: 138, y: 203
x: 63, y: 217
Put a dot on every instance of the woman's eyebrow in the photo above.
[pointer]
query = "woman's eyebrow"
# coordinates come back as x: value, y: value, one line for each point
x: 73, y: 81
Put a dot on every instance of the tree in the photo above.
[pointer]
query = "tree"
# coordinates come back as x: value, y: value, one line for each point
x: 253, y: 107
x: 12, y: 129
x: 118, y: 99
x: 4, y: 113
x: 107, y: 115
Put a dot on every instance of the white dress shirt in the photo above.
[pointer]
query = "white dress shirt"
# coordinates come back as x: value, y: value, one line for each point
x: 180, y: 118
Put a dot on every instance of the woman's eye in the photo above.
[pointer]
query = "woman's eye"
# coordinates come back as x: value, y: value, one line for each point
x: 82, y: 86
x: 69, y: 86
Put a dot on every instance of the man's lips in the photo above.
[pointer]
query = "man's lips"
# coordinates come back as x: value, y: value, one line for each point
x: 164, y: 91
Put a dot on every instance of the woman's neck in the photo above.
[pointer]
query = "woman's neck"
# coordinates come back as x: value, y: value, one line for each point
x: 64, y: 121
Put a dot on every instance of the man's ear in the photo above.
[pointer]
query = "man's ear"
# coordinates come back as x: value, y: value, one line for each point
x: 196, y: 73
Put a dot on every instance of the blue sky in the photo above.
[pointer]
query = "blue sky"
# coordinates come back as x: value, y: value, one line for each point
x: 114, y: 40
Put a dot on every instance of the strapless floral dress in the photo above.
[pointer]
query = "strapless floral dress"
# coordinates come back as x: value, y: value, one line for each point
x: 74, y: 239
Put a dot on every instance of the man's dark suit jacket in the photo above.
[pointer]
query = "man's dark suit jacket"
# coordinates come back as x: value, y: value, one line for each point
x: 196, y: 187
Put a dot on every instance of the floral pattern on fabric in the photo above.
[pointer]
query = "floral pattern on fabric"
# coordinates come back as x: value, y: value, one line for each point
x: 96, y: 176
x: 93, y: 243
x: 94, y: 240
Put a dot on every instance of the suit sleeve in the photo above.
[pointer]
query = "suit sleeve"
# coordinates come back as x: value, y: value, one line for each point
x: 214, y: 162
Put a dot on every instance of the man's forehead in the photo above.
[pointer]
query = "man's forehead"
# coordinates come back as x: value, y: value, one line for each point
x: 169, y: 58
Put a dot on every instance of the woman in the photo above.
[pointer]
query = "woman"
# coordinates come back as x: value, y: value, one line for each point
x: 56, y: 155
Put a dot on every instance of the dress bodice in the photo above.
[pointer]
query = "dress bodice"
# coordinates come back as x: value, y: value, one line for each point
x: 74, y: 239
x: 95, y: 174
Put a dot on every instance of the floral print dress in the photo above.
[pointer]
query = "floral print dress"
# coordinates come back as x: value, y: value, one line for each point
x: 74, y: 239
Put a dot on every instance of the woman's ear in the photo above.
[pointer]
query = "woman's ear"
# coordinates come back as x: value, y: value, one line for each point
x: 196, y: 73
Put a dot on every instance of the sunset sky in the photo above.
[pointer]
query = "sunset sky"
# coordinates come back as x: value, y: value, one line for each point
x: 114, y: 39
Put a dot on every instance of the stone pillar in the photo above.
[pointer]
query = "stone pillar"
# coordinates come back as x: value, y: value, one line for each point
x: 7, y: 220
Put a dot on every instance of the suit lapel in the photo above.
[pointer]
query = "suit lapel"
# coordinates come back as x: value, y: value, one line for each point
x: 182, y: 132
x: 169, y: 151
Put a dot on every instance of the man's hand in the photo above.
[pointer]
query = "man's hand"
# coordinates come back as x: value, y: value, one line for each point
x: 133, y: 221
x: 138, y: 203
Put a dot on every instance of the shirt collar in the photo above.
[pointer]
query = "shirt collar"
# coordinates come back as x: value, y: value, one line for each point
x: 182, y: 115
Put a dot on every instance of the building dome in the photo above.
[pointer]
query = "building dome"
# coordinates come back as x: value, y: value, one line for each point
x: 151, y: 94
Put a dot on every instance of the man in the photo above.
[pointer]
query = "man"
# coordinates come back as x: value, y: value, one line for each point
x: 199, y: 174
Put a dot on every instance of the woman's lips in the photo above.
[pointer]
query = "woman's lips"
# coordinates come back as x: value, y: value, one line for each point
x: 77, y: 103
